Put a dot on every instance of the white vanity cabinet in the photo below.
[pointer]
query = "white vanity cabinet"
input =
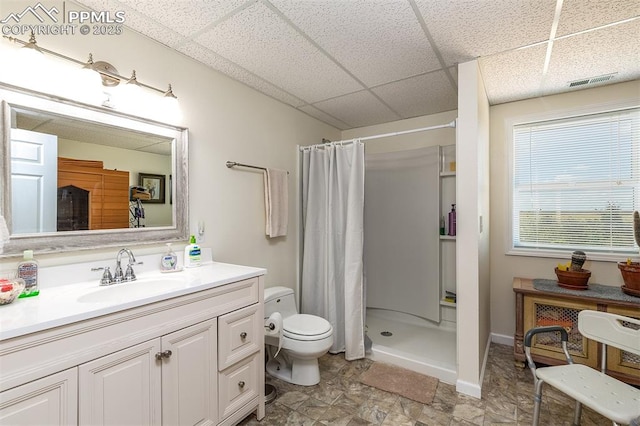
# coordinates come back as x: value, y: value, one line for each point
x: 155, y: 364
x: 170, y: 381
x: 51, y: 400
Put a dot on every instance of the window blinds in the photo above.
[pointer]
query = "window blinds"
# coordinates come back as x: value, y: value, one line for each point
x: 576, y: 182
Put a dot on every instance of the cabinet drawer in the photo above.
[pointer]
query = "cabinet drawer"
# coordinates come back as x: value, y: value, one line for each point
x: 238, y: 385
x: 240, y: 334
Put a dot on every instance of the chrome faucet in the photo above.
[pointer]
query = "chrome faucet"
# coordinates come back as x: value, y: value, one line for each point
x: 129, y: 275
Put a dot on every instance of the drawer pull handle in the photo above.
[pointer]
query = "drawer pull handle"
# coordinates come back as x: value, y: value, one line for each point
x: 165, y: 354
x: 243, y: 335
x: 241, y: 384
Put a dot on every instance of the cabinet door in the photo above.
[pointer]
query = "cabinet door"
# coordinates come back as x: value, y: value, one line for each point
x: 122, y: 388
x: 541, y: 311
x: 625, y: 363
x: 189, y: 376
x: 52, y: 400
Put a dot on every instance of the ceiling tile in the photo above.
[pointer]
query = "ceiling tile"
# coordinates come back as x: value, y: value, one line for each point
x: 467, y: 29
x: 513, y: 75
x: 219, y: 63
x: 377, y: 41
x: 358, y: 109
x: 422, y: 95
x: 185, y: 17
x: 323, y: 116
x: 580, y: 15
x: 138, y: 22
x: 570, y: 61
x: 259, y: 41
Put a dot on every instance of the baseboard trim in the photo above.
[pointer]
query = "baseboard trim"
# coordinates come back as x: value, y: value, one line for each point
x: 471, y: 389
x: 502, y: 339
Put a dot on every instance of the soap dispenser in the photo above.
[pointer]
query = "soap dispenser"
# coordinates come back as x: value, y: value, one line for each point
x: 192, y: 255
x: 169, y: 260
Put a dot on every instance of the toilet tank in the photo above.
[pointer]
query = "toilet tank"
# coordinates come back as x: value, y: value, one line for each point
x: 279, y: 299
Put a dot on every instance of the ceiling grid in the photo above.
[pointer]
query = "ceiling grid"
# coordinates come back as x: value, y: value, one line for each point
x: 354, y: 63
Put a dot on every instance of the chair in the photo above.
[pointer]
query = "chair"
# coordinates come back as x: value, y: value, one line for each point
x: 613, y: 399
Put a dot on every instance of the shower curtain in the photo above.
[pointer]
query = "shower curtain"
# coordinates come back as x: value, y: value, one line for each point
x: 332, y: 261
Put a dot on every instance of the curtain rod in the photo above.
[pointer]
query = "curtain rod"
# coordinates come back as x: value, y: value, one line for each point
x: 231, y: 164
x: 384, y: 135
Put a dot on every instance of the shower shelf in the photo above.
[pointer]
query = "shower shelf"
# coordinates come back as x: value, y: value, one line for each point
x: 447, y: 237
x: 445, y: 174
x: 449, y: 304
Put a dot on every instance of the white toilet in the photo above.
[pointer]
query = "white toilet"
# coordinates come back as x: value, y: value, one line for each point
x: 305, y: 338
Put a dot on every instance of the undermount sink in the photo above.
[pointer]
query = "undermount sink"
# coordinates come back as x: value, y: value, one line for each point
x: 128, y: 291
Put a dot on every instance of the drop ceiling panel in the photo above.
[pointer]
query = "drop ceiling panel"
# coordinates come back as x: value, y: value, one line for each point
x: 358, y: 109
x: 377, y: 41
x: 467, y: 29
x: 323, y: 116
x: 184, y: 17
x: 421, y: 95
x: 138, y: 22
x: 570, y: 61
x: 580, y: 15
x: 237, y: 73
x: 513, y: 75
x: 259, y: 41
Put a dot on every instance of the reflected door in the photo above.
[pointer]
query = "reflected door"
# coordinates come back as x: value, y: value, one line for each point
x: 34, y: 174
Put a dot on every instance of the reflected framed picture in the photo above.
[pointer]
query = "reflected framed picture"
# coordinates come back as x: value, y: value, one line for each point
x: 155, y: 185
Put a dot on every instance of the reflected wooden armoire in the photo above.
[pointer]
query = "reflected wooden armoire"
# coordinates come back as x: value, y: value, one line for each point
x: 108, y: 192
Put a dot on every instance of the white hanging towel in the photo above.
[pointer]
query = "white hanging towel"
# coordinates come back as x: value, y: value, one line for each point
x: 276, y: 202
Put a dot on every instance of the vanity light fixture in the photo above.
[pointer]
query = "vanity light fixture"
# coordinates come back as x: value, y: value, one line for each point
x: 109, y: 74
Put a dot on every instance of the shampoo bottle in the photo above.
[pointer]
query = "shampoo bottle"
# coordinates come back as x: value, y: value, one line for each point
x: 28, y: 271
x: 452, y: 220
x: 441, y: 225
x: 192, y: 254
x: 169, y: 261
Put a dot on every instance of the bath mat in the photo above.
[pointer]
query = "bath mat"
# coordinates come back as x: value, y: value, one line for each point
x: 407, y: 383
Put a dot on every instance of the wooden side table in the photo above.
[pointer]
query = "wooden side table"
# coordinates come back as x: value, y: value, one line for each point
x: 536, y: 307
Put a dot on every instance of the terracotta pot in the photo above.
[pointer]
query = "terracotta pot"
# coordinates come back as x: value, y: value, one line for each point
x: 574, y: 280
x: 631, y: 277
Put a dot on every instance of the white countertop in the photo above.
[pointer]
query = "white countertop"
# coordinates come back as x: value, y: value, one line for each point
x: 66, y: 304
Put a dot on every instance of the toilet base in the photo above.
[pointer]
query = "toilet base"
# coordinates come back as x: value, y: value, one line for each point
x: 303, y: 372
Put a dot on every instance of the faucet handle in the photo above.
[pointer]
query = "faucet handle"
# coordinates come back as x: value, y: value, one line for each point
x: 107, y: 278
x: 129, y: 275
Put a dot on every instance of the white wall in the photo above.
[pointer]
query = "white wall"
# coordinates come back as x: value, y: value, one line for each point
x: 472, y: 245
x: 503, y: 267
x: 227, y: 121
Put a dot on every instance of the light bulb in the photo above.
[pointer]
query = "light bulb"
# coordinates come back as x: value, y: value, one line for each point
x: 130, y: 97
x: 88, y: 84
x: 170, y: 107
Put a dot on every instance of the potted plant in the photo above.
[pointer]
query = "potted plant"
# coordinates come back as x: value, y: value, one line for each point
x: 631, y: 270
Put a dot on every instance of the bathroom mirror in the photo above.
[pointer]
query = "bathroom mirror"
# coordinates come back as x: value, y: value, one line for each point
x: 75, y: 176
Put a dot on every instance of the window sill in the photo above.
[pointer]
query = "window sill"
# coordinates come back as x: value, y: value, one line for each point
x: 566, y: 254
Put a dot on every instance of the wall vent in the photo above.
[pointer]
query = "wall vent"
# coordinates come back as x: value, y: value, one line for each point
x: 592, y: 80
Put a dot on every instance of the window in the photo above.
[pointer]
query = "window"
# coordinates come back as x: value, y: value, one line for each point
x: 576, y: 183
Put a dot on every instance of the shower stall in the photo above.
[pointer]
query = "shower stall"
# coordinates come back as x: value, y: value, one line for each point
x: 408, y: 265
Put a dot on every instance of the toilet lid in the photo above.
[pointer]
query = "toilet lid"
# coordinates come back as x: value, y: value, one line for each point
x: 303, y: 326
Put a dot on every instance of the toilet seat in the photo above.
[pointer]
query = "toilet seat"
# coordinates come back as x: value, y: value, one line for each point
x: 306, y: 327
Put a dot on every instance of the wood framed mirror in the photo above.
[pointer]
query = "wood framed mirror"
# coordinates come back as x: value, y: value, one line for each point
x: 71, y: 173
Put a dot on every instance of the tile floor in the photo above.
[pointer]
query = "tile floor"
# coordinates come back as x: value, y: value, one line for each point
x: 340, y: 399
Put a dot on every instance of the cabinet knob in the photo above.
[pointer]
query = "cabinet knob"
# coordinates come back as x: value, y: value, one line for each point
x: 165, y: 354
x: 241, y: 384
x: 243, y: 335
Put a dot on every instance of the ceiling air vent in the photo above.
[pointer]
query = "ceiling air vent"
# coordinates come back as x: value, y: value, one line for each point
x: 592, y: 80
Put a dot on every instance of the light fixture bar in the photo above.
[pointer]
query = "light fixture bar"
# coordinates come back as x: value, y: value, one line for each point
x: 111, y: 74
